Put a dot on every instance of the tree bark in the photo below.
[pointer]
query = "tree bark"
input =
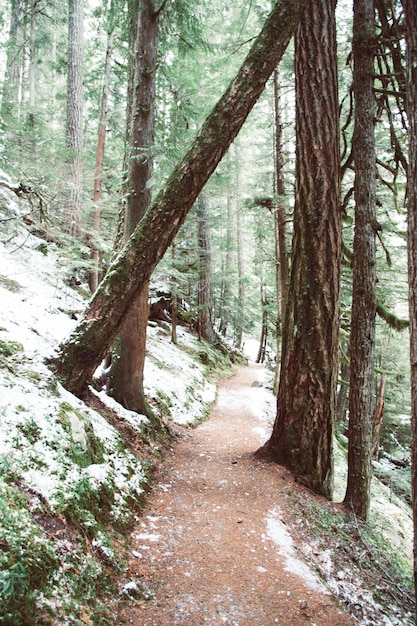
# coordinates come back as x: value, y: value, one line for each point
x: 302, y: 433
x: 410, y: 8
x: 74, y: 121
x: 126, y: 373
x: 129, y: 273
x: 362, y: 334
x: 281, y: 254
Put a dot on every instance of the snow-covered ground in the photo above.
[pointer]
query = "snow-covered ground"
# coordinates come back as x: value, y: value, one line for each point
x: 61, y: 460
x: 66, y: 459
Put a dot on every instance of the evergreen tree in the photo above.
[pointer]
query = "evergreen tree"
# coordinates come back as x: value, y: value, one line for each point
x: 411, y: 39
x: 303, y: 428
x: 362, y: 335
x: 130, y: 272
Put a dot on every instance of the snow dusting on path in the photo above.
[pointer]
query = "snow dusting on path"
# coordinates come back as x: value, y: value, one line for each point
x: 212, y: 546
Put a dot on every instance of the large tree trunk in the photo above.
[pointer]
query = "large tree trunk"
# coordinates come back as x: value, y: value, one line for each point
x: 125, y: 376
x: 362, y: 335
x: 129, y: 273
x: 302, y: 434
x: 411, y: 38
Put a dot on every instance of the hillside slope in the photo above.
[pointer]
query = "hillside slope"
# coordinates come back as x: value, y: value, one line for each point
x: 73, y: 476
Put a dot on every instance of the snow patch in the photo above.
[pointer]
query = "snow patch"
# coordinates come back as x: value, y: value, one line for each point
x: 278, y: 533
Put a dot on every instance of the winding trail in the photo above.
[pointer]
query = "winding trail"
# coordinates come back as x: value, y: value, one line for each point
x: 212, y: 546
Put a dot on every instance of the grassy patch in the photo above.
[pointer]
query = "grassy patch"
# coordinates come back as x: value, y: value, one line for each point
x: 9, y: 284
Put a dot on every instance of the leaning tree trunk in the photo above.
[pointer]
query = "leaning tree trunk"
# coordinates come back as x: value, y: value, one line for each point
x: 125, y: 376
x: 411, y: 39
x: 302, y: 434
x: 131, y: 270
x: 362, y: 334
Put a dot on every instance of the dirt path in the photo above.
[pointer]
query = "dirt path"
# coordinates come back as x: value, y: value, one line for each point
x: 212, y: 547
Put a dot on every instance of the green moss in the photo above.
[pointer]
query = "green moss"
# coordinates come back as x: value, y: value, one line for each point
x: 88, y: 506
x: 27, y: 559
x: 86, y: 448
x: 9, y: 349
x: 9, y: 284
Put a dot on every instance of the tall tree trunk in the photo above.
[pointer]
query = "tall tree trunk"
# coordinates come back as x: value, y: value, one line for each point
x: 125, y: 377
x: 32, y: 54
x: 411, y: 39
x: 130, y: 272
x: 98, y: 175
x: 74, y: 121
x: 12, y: 85
x: 226, y: 302
x: 174, y: 296
x: 302, y: 434
x: 281, y: 254
x: 280, y: 226
x: 240, y: 272
x: 362, y: 334
x: 205, y: 281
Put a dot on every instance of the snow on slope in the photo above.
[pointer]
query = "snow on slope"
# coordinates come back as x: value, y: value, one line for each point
x: 64, y: 456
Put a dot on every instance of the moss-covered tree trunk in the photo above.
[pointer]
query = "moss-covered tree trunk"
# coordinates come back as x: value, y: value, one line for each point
x: 126, y: 373
x: 302, y: 434
x: 411, y: 38
x: 131, y: 270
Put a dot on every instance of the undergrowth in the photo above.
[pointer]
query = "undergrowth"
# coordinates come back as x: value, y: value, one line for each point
x: 344, y: 550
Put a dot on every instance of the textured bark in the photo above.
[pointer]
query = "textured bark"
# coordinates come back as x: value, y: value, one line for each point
x: 302, y: 434
x: 362, y: 335
x: 125, y: 376
x: 129, y: 273
x: 411, y: 39
x: 281, y: 254
x: 74, y: 121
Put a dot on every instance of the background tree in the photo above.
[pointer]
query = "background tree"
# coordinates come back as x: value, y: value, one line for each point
x: 411, y: 38
x: 125, y: 376
x: 205, y: 279
x: 129, y: 273
x: 74, y: 123
x: 303, y: 428
x: 362, y: 335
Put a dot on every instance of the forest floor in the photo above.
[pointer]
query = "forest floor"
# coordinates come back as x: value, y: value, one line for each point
x: 216, y: 543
